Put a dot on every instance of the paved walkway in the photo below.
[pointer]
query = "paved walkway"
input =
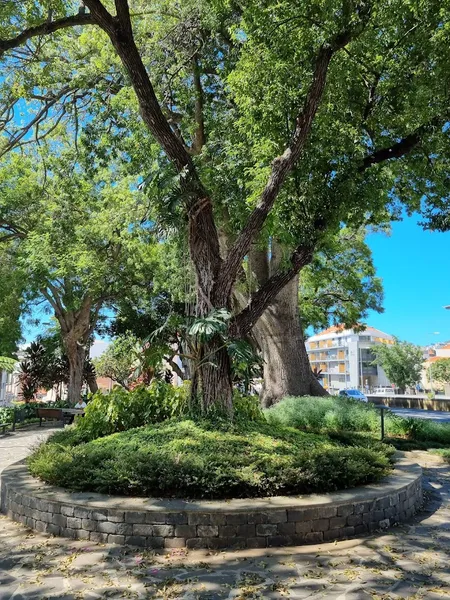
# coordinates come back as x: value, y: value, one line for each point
x: 410, y: 561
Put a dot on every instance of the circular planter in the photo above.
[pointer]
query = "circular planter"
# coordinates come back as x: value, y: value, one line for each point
x: 246, y: 523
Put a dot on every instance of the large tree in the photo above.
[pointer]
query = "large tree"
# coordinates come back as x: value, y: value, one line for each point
x: 74, y: 234
x: 337, y: 107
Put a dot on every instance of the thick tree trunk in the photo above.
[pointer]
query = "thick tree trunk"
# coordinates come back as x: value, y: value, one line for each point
x: 287, y: 371
x: 76, y: 353
x: 279, y: 333
x: 92, y: 384
x: 212, y: 381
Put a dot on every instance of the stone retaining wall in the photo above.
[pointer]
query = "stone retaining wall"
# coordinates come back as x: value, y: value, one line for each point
x: 253, y: 523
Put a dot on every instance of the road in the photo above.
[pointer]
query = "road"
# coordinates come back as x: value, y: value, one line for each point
x: 434, y: 415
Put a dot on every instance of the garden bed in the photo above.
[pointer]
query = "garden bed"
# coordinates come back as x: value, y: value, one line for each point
x: 198, y: 459
x: 256, y: 522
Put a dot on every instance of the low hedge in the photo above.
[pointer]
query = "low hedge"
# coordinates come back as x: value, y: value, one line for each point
x: 196, y: 459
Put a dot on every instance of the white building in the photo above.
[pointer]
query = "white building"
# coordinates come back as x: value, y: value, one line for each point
x: 345, y: 358
x: 8, y: 387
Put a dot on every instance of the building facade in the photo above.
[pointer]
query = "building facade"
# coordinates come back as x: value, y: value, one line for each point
x: 345, y: 358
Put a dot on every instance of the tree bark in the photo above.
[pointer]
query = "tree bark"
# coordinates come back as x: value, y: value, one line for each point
x: 287, y: 371
x: 279, y: 333
x: 92, y: 383
x: 76, y: 354
x: 212, y: 382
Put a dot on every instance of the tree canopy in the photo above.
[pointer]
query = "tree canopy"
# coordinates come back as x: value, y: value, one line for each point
x: 402, y: 362
x: 258, y: 121
x: 440, y: 370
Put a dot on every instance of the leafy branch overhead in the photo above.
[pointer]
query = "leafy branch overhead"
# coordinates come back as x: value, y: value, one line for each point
x: 280, y: 122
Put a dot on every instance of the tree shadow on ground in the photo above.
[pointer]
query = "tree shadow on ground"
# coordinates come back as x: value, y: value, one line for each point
x: 408, y: 561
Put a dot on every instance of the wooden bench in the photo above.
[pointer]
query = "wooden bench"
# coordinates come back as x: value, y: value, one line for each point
x: 49, y: 414
x: 3, y: 427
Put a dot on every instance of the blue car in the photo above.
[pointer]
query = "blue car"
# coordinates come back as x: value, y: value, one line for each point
x: 355, y: 394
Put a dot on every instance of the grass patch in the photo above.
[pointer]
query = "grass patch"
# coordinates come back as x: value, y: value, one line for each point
x: 189, y: 459
x: 334, y: 414
x: 325, y: 414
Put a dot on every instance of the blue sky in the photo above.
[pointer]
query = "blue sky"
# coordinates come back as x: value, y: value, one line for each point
x: 415, y: 267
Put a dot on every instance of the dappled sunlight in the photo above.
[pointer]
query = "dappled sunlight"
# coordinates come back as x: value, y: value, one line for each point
x: 409, y: 561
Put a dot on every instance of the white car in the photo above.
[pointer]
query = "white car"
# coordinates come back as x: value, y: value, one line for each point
x: 355, y: 394
x: 384, y: 391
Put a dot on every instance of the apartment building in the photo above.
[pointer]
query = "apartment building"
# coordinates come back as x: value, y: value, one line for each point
x: 345, y: 358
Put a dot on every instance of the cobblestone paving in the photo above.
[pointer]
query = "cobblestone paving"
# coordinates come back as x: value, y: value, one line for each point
x: 410, y: 561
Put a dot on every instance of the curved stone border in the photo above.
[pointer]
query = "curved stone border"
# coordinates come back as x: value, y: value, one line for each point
x: 251, y: 523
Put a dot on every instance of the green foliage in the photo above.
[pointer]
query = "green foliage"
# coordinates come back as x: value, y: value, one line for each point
x: 25, y: 412
x: 402, y: 362
x: 419, y: 430
x: 325, y: 414
x: 190, y: 459
x: 12, y: 303
x: 344, y: 418
x: 340, y: 285
x: 7, y: 364
x: 440, y: 370
x: 121, y: 410
x: 118, y: 359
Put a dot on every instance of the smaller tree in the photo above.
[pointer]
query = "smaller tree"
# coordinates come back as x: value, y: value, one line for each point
x: 118, y: 360
x: 440, y: 371
x: 402, y: 362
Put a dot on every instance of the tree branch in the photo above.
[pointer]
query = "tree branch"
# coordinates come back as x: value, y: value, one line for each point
x: 399, y: 149
x: 242, y: 323
x: 199, y: 135
x: 44, y: 29
x: 283, y: 165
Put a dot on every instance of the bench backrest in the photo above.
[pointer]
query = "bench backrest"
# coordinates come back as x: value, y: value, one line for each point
x: 49, y: 413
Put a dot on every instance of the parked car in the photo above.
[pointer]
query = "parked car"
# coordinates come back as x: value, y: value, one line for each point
x: 355, y: 394
x: 384, y: 391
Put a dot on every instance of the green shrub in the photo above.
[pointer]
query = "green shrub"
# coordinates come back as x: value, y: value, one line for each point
x: 121, y: 410
x: 364, y: 440
x: 197, y: 460
x: 27, y: 412
x: 329, y: 413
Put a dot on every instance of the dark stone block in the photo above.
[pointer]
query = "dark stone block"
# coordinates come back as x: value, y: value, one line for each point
x: 199, y: 519
x: 176, y: 519
x: 136, y: 540
x: 286, y: 528
x: 257, y: 518
x: 338, y: 522
x: 246, y: 531
x: 257, y: 542
x: 321, y: 525
x: 237, y: 519
x: 345, y: 511
x: 134, y: 517
x: 353, y: 520
x: 185, y: 531
x: 266, y: 529
x: 227, y: 530
x: 279, y: 540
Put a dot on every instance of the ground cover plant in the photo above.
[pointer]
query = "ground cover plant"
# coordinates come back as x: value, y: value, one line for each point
x: 202, y: 459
